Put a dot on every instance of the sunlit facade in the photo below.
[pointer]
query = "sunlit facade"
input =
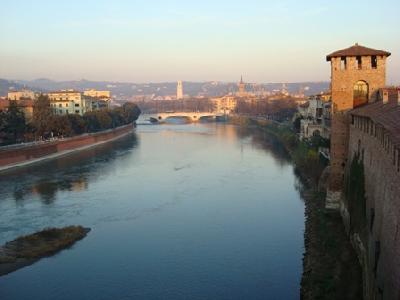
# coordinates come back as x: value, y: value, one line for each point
x: 70, y: 102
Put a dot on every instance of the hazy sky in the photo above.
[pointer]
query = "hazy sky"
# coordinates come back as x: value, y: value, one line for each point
x: 143, y: 41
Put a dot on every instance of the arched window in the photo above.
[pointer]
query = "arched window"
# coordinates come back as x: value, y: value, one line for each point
x: 316, y: 133
x: 360, y: 93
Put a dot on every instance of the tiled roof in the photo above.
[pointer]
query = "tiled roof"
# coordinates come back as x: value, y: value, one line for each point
x: 386, y: 115
x: 357, y: 50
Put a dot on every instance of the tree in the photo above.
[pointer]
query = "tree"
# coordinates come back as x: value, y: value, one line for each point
x: 116, y: 115
x: 131, y: 112
x: 61, y: 126
x: 2, y: 121
x: 92, y: 122
x: 42, y: 114
x: 77, y: 123
x: 297, y: 124
x: 104, y: 119
x: 15, y: 123
x: 3, y: 124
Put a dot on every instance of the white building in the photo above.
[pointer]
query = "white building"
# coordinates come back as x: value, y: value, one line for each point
x: 225, y: 105
x: 315, y: 115
x: 106, y: 95
x: 179, y: 90
x: 21, y: 95
x: 70, y: 102
x: 100, y: 99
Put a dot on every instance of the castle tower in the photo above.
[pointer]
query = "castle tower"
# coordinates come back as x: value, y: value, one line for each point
x: 179, y: 90
x: 356, y: 75
x: 242, y: 87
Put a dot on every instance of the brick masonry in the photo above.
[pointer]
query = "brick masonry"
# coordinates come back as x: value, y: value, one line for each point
x: 382, y: 186
x: 343, y: 82
x: 15, y: 156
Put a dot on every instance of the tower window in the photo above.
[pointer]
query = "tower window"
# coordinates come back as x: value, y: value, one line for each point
x: 360, y: 93
x: 374, y: 62
x: 359, y: 63
x: 343, y: 63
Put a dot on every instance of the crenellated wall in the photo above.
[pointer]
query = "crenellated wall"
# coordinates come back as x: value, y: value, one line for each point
x: 378, y: 240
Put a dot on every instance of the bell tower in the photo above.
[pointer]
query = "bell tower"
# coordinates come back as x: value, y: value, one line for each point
x: 242, y: 87
x: 357, y: 73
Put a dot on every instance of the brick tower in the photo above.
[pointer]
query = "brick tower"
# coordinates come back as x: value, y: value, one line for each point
x: 356, y: 75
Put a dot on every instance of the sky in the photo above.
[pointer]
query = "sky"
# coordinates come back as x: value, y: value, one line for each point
x: 156, y: 41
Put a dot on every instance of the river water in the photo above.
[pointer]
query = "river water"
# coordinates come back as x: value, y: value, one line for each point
x: 194, y: 211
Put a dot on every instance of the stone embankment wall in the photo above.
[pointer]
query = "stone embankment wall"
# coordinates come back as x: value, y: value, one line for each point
x: 378, y: 240
x: 11, y: 156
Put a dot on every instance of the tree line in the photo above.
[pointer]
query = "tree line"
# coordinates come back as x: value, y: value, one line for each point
x: 45, y: 124
x: 279, y: 110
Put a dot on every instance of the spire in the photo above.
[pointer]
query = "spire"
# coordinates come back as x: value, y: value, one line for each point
x: 241, y: 78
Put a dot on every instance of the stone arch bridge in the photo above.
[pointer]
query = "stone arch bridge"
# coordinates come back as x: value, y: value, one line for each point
x: 191, y: 116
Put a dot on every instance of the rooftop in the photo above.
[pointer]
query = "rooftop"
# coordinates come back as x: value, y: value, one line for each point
x: 357, y: 50
x: 386, y: 115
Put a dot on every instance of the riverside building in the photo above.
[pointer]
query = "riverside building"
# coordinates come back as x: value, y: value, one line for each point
x: 70, y: 102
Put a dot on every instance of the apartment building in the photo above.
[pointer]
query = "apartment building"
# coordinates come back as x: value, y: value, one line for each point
x: 70, y: 102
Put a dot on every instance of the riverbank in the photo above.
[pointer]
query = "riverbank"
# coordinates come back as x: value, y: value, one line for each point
x: 23, y: 155
x: 28, y: 249
x: 330, y: 266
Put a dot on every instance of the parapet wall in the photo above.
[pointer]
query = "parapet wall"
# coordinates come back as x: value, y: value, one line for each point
x: 379, y: 239
x: 31, y: 152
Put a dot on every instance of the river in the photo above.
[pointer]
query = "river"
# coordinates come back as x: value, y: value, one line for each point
x: 193, y: 211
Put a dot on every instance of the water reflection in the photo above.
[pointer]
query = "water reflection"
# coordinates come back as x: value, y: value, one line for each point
x: 194, y: 211
x: 259, y: 139
x: 70, y: 173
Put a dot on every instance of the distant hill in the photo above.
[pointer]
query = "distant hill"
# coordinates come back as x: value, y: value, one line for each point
x: 6, y: 85
x: 125, y: 90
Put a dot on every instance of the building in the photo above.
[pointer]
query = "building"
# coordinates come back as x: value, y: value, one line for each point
x: 100, y: 99
x: 315, y: 114
x: 25, y: 105
x: 225, y: 104
x: 106, y: 95
x: 21, y: 95
x: 326, y: 96
x: 357, y: 73
x: 70, y: 102
x: 179, y: 90
x: 364, y: 183
x: 242, y: 88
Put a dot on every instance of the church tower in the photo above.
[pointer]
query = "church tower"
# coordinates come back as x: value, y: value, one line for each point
x: 242, y: 88
x: 357, y: 73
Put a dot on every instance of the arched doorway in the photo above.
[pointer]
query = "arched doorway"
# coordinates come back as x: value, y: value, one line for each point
x: 316, y: 133
x: 360, y: 93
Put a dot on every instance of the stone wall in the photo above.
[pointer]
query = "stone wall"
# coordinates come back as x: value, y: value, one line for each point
x: 378, y: 245
x: 342, y: 84
x: 20, y: 154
